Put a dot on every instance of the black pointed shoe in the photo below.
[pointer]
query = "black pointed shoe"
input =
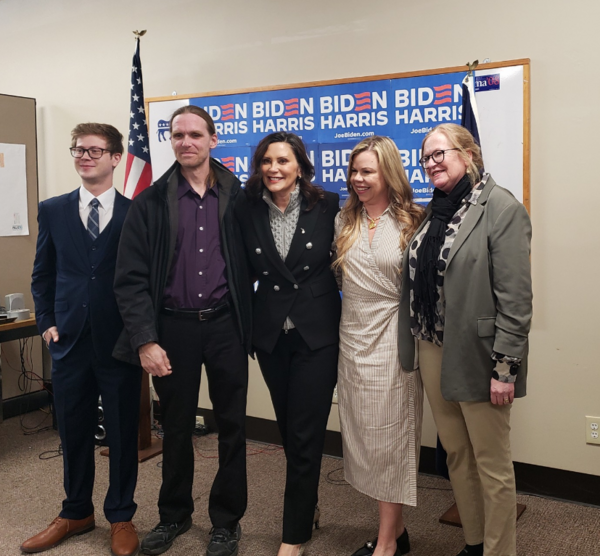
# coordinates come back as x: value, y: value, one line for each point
x: 402, y: 546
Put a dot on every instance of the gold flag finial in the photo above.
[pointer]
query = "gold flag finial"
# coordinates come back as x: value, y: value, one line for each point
x: 472, y: 66
x: 139, y: 34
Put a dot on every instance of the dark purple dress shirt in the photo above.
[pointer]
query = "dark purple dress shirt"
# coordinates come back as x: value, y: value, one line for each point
x: 198, y: 277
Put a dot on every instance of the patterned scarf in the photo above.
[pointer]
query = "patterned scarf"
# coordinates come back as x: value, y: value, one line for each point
x: 444, y: 207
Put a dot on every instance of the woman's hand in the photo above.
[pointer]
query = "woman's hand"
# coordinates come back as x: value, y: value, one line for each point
x: 502, y: 393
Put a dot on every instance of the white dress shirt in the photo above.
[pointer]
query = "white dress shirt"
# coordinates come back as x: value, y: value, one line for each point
x: 105, y: 208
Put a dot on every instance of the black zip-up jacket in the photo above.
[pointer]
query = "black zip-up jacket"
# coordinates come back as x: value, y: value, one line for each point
x: 146, y: 254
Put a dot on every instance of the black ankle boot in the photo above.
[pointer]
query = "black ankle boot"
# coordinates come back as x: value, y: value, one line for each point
x: 472, y: 550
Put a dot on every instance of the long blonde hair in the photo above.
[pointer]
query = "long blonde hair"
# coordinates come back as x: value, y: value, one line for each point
x: 402, y: 207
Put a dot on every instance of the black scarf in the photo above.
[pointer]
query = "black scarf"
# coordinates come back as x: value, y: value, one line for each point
x: 444, y: 207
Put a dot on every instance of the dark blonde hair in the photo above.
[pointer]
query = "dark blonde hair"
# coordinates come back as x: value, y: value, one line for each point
x: 402, y: 207
x: 112, y: 136
x: 460, y: 138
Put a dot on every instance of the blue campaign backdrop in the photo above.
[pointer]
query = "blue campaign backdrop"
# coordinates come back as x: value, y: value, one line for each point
x: 332, y: 118
x: 232, y: 118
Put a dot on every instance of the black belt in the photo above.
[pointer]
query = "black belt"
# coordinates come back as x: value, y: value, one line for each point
x: 205, y: 314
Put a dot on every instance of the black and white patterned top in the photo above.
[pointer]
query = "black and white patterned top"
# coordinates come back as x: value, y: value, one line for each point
x: 506, y: 366
x: 283, y: 226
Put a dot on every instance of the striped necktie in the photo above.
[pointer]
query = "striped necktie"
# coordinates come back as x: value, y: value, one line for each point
x: 93, y: 223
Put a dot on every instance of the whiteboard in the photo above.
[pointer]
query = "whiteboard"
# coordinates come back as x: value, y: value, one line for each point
x: 501, y: 133
x: 13, y: 190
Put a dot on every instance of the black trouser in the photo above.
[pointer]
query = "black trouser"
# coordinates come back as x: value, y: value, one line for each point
x: 189, y: 344
x: 78, y: 379
x: 301, y: 384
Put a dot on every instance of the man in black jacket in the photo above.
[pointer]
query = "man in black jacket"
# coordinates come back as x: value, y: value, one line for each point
x: 183, y: 290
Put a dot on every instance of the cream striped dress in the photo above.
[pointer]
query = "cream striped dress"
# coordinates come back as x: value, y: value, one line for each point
x: 380, y: 406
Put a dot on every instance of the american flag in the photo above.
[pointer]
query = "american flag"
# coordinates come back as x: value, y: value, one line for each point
x: 138, y: 173
x: 470, y: 116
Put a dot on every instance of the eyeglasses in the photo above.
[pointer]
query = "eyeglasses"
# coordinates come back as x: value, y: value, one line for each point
x: 437, y: 156
x: 94, y: 152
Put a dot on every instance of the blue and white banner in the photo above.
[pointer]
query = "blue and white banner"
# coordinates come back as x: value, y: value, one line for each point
x: 353, y: 111
x: 236, y: 159
x: 231, y: 114
x: 291, y: 110
x: 332, y: 119
x: 333, y: 170
x: 420, y: 104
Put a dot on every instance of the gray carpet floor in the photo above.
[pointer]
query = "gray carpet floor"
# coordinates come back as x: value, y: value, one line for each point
x: 31, y: 492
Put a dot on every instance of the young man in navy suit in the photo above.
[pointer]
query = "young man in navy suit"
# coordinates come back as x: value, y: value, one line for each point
x: 77, y: 315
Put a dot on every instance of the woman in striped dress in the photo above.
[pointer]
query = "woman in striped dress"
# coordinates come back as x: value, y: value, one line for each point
x: 380, y: 406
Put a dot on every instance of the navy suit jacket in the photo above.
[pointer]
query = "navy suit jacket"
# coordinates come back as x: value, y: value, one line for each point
x: 72, y: 281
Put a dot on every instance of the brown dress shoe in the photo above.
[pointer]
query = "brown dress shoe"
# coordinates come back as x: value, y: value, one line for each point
x: 124, y: 539
x: 58, y: 531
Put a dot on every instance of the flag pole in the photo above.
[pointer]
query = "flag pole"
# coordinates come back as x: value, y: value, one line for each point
x: 148, y: 447
x: 138, y: 176
x: 470, y: 115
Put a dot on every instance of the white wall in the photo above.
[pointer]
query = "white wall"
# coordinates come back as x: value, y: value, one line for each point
x: 74, y: 57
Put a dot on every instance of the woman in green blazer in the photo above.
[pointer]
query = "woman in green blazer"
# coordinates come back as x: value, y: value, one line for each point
x: 469, y: 306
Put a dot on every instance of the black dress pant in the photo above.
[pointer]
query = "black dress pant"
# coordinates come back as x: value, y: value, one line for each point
x: 301, y: 383
x: 189, y: 344
x: 78, y: 379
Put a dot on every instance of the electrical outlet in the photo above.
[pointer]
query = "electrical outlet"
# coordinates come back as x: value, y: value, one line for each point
x: 592, y: 430
x: 199, y: 420
x: 335, y: 400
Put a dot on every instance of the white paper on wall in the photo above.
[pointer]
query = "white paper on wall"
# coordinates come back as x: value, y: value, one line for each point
x: 13, y: 191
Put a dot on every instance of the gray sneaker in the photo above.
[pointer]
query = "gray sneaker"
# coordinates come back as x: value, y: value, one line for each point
x: 224, y: 542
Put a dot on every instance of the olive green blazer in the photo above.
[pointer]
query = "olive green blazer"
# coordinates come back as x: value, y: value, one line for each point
x: 488, y: 297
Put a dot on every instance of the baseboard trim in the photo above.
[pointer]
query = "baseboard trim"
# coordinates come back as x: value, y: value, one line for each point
x: 537, y: 480
x: 558, y: 483
x: 25, y: 403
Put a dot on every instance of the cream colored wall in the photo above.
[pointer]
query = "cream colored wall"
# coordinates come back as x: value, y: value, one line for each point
x: 74, y: 57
